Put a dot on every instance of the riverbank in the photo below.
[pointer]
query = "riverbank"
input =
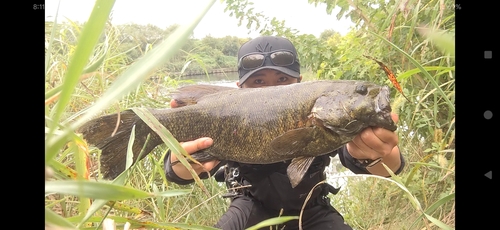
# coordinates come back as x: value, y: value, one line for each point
x: 201, y: 72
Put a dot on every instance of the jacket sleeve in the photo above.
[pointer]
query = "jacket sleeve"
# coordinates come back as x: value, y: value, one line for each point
x: 348, y: 161
x: 172, y: 177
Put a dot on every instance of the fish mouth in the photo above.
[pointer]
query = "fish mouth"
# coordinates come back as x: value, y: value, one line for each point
x: 352, y: 128
x: 383, y: 110
x: 382, y: 102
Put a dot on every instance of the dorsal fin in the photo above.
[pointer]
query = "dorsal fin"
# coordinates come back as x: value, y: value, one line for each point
x: 191, y: 94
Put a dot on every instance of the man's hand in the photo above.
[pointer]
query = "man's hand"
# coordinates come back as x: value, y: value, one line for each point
x: 173, y: 104
x: 192, y: 147
x: 373, y: 143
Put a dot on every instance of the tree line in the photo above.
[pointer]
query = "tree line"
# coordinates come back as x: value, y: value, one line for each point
x: 134, y: 40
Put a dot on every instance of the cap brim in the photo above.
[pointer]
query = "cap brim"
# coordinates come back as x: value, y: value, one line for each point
x: 285, y: 70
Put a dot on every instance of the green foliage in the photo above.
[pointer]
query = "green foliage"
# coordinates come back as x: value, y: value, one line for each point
x: 325, y: 35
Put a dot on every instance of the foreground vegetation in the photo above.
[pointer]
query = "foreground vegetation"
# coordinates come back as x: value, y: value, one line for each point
x: 92, y: 70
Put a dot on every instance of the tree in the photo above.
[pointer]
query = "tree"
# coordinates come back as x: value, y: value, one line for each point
x: 328, y: 33
x: 231, y: 45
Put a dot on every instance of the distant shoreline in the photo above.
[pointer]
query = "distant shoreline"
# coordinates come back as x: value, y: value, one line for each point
x: 194, y: 73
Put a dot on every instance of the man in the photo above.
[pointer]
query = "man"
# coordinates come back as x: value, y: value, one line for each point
x: 270, y: 61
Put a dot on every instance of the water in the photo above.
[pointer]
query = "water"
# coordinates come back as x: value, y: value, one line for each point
x: 226, y: 79
x: 223, y: 79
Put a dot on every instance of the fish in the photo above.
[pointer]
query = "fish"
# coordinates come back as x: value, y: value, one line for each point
x: 295, y: 122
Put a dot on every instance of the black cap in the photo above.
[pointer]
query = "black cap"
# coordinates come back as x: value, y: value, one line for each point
x: 267, y: 44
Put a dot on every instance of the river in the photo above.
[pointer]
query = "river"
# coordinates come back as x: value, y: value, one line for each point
x: 224, y: 79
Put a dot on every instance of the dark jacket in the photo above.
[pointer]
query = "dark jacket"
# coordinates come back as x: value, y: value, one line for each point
x: 270, y: 183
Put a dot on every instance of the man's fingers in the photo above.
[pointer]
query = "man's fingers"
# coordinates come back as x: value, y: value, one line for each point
x: 372, y: 143
x: 197, y: 145
x: 173, y: 104
x: 394, y: 117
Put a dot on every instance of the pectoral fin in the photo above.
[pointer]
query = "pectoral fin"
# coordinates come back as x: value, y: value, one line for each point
x: 297, y: 169
x: 309, y: 142
x: 293, y: 141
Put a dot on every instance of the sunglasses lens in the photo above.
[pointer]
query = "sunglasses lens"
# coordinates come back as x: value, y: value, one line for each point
x: 252, y: 61
x: 282, y: 58
x: 278, y: 58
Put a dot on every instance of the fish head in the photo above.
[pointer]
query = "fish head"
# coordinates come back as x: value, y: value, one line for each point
x: 352, y: 108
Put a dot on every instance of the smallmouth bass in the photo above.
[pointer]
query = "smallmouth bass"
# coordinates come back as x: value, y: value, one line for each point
x: 252, y: 125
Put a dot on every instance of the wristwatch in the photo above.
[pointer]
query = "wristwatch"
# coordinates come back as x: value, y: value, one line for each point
x: 365, y: 163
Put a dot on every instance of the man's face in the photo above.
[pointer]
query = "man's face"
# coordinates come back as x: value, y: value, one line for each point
x: 268, y: 77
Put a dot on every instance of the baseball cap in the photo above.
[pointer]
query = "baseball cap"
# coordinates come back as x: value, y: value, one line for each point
x: 267, y: 45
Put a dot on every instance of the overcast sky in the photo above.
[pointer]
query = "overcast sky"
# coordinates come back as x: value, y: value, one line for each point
x: 300, y: 15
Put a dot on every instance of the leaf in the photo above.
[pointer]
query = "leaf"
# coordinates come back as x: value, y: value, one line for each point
x: 392, y: 77
x: 93, y: 67
x: 411, y: 72
x: 170, y: 141
x: 57, y: 220
x: 144, y: 224
x: 438, y: 223
x: 440, y: 202
x: 272, y: 221
x: 95, y: 190
x: 63, y: 169
x: 102, y: 190
x: 443, y: 40
x: 432, y: 208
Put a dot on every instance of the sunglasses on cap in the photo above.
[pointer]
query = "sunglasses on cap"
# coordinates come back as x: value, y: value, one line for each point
x: 255, y: 60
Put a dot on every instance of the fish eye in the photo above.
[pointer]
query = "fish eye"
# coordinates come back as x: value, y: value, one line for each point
x: 361, y: 89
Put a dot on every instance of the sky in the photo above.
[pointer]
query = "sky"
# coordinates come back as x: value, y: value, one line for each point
x: 299, y: 15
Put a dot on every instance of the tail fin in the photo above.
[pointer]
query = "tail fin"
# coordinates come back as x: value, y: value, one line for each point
x: 99, y: 132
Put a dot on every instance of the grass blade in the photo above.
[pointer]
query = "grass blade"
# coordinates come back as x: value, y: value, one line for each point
x: 96, y: 190
x: 444, y: 41
x: 436, y: 205
x: 439, y: 203
x: 63, y: 170
x: 102, y: 190
x: 57, y: 220
x: 410, y: 72
x: 398, y: 181
x: 49, y: 45
x: 86, y: 43
x: 272, y: 221
x: 438, y: 223
x: 142, y: 224
x: 170, y: 140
